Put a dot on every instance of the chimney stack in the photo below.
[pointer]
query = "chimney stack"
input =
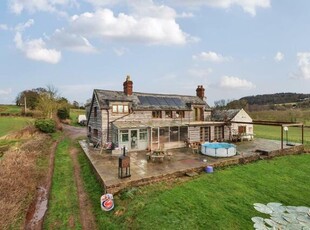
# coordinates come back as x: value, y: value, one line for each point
x: 128, y: 84
x: 200, y: 92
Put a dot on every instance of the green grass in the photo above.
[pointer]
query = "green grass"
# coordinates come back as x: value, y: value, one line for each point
x: 222, y: 200
x: 95, y: 191
x: 288, y: 115
x: 63, y: 212
x: 274, y: 133
x: 10, y: 124
x: 12, y: 109
x: 74, y: 113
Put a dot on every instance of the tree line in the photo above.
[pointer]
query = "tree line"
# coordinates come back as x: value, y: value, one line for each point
x: 277, y: 101
x: 47, y: 105
x: 46, y: 100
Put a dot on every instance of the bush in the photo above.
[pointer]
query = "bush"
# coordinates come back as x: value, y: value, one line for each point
x: 46, y: 125
x: 63, y: 113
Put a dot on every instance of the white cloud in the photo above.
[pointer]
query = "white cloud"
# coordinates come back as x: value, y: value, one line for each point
x: 279, y: 57
x: 304, y: 65
x: 73, y: 42
x: 161, y: 28
x: 18, y: 6
x: 4, y: 92
x: 249, y: 6
x: 211, y: 57
x: 22, y: 26
x: 3, y: 27
x: 230, y: 82
x: 36, y: 49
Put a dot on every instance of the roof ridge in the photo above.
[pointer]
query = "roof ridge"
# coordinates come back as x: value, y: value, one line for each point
x: 149, y: 94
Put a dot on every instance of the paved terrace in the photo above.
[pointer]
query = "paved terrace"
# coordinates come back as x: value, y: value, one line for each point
x: 182, y: 161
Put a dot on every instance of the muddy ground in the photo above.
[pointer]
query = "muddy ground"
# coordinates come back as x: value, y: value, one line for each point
x: 23, y: 170
x: 25, y: 187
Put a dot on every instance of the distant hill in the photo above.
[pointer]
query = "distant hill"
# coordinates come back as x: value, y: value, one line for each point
x: 276, y: 98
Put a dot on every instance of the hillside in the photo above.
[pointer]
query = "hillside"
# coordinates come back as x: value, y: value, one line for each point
x: 276, y: 98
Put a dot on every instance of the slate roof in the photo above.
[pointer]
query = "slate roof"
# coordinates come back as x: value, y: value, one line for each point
x: 224, y: 115
x: 148, y: 101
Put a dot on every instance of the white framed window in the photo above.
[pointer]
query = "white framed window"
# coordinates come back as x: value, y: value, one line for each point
x: 143, y: 135
x: 114, y: 108
x: 124, y: 136
x: 120, y: 108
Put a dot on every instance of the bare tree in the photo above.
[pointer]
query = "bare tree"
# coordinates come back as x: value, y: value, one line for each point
x: 49, y: 102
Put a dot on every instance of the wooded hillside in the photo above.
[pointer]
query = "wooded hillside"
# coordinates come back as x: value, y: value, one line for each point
x: 277, y: 98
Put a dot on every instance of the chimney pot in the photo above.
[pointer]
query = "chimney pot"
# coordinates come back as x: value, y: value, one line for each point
x: 128, y: 86
x: 200, y: 92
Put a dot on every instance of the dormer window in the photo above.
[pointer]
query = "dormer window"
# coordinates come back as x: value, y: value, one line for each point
x: 120, y: 108
x: 180, y: 114
x: 168, y: 114
x: 156, y: 114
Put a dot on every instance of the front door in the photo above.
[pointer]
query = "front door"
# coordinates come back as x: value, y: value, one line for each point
x: 133, y: 139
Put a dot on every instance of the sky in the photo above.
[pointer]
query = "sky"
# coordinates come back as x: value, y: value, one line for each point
x: 234, y: 48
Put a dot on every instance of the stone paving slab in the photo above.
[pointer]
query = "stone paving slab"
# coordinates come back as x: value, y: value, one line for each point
x: 182, y: 161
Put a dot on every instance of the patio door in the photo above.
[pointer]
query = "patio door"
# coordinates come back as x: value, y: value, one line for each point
x: 133, y: 139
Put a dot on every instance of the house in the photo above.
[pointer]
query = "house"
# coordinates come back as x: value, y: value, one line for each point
x: 141, y: 121
x: 235, y: 129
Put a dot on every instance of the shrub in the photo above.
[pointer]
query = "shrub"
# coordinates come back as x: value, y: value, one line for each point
x: 63, y: 113
x: 46, y: 125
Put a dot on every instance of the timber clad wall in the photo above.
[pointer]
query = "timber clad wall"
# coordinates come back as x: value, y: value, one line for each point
x: 104, y: 127
x: 95, y: 122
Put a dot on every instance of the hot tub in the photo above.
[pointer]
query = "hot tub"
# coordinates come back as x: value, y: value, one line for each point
x: 218, y: 149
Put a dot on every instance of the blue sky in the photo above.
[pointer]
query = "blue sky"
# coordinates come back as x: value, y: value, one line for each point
x: 234, y: 48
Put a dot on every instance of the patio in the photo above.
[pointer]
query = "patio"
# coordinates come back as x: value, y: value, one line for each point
x: 182, y: 161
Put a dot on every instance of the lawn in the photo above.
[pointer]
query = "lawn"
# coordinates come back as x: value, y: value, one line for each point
x: 274, y: 133
x: 222, y: 200
x: 10, y: 124
x: 63, y: 211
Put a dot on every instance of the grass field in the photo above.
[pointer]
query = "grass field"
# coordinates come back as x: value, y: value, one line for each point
x: 289, y: 115
x: 12, y: 109
x: 222, y: 200
x: 10, y: 124
x: 274, y: 133
x: 74, y: 113
x: 63, y: 212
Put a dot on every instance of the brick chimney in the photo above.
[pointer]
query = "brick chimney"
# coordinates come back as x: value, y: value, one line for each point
x: 128, y: 86
x: 200, y: 92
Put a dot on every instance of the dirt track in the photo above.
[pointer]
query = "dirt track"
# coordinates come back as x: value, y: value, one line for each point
x: 35, y: 209
x: 74, y: 132
x: 86, y: 216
